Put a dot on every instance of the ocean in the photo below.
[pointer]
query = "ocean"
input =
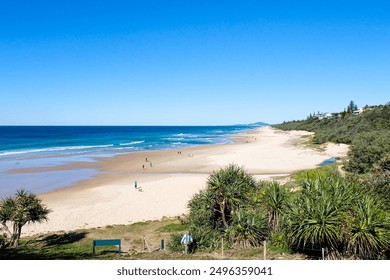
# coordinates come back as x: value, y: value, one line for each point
x: 46, y: 146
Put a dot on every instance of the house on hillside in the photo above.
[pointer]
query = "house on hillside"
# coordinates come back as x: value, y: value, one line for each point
x: 358, y: 111
x: 326, y: 116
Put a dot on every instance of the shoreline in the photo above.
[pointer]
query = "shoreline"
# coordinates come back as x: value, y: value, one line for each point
x: 170, y: 178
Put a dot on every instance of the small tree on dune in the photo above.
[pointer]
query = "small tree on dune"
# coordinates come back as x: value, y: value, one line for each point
x: 17, y: 211
x: 273, y: 198
x: 225, y: 209
x: 230, y: 187
x: 369, y: 234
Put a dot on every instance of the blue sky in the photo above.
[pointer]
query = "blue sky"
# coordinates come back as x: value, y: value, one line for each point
x: 189, y: 62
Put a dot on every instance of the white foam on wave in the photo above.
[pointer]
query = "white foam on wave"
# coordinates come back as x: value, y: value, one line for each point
x: 174, y: 138
x: 131, y: 143
x: 54, y: 149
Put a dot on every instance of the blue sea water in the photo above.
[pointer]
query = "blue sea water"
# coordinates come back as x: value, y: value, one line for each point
x: 43, y: 146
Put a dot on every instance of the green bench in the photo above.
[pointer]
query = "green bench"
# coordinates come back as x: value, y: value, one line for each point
x: 106, y: 242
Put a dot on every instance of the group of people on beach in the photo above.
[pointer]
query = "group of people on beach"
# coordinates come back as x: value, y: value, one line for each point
x: 150, y: 163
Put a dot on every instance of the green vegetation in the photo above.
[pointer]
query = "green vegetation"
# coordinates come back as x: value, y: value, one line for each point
x: 174, y: 227
x: 225, y: 209
x: 368, y: 133
x: 347, y: 215
x: 368, y: 150
x: 322, y: 211
x: 17, y: 211
x: 335, y: 213
x: 343, y: 128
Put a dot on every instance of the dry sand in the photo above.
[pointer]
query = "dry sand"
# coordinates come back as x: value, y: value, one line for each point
x: 111, y: 198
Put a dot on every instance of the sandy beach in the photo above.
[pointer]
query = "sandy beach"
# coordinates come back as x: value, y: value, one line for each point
x: 167, y: 179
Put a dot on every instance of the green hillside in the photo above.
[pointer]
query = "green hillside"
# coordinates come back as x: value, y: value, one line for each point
x: 343, y: 127
x: 367, y: 131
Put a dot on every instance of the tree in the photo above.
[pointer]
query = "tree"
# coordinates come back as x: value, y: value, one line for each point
x: 316, y: 217
x: 337, y: 214
x: 367, y: 151
x: 352, y: 107
x: 17, y: 211
x: 230, y: 186
x: 369, y: 233
x: 249, y: 227
x: 225, y: 209
x: 273, y: 198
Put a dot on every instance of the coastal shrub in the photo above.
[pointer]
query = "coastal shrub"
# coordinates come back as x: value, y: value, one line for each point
x: 383, y: 166
x: 203, y: 221
x: 363, y: 233
x: 344, y: 128
x: 174, y: 243
x: 316, y: 215
x: 322, y: 172
x: 369, y: 231
x: 249, y: 228
x: 19, y: 210
x: 273, y: 198
x: 279, y: 242
x: 230, y: 187
x: 214, y: 210
x: 338, y: 214
x: 378, y: 182
x: 367, y: 151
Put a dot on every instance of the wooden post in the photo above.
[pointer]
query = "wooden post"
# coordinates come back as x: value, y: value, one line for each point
x: 323, y: 254
x: 147, y: 245
x: 265, y: 249
x: 162, y: 247
x: 222, y: 247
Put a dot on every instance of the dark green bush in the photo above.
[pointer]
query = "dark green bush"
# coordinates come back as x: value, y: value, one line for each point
x: 368, y: 150
x: 174, y: 243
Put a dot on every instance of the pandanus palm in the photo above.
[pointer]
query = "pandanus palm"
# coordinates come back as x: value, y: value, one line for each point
x: 273, y: 198
x: 317, y: 215
x: 225, y: 200
x: 230, y: 187
x: 20, y: 210
x: 369, y: 235
x: 249, y: 227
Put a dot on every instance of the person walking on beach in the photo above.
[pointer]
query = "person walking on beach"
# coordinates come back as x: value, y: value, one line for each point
x: 143, y: 166
x: 135, y: 184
